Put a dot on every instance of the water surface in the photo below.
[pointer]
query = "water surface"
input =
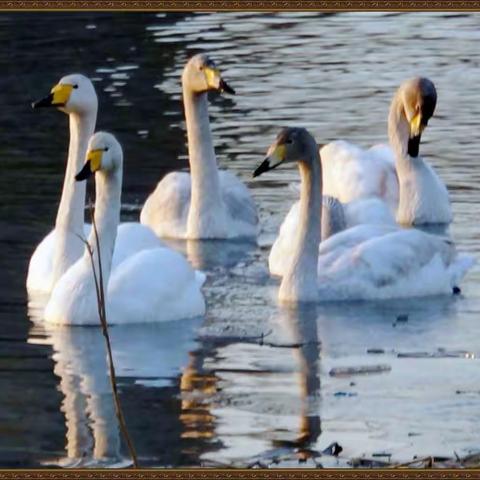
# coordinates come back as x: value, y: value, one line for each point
x: 250, y: 381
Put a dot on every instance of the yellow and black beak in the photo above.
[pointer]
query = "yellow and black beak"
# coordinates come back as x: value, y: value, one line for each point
x: 216, y: 82
x: 93, y: 164
x: 417, y: 126
x: 58, y: 97
x: 275, y: 156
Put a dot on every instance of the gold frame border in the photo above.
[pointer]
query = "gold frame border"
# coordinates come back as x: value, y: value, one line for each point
x: 250, y: 5
x: 240, y: 474
x: 245, y: 5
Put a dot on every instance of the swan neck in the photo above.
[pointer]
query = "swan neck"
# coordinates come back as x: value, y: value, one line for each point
x: 70, y: 214
x: 69, y: 223
x: 398, y: 134
x: 206, y: 202
x: 300, y: 280
x: 108, y: 188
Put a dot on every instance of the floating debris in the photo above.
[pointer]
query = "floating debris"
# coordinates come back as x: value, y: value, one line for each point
x: 440, y: 353
x: 334, y: 449
x: 345, y: 394
x: 361, y: 370
x: 402, y: 318
x: 376, y: 351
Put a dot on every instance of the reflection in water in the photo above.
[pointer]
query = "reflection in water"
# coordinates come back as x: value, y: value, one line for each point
x: 81, y: 364
x: 150, y: 355
x: 250, y: 401
x: 211, y: 254
x: 236, y: 398
x: 301, y: 325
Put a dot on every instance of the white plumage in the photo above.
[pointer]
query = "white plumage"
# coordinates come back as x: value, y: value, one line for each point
x: 205, y: 203
x: 364, y: 262
x: 147, y: 285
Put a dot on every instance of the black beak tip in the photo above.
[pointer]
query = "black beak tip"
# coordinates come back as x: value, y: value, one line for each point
x: 225, y: 87
x: 84, y: 173
x: 44, y: 102
x: 262, y: 168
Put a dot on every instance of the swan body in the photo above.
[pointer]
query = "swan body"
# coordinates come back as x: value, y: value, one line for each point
x: 350, y: 173
x: 205, y: 203
x: 167, y: 209
x: 365, y: 262
x: 152, y: 284
x: 381, y: 262
x: 371, y: 211
x: 396, y: 173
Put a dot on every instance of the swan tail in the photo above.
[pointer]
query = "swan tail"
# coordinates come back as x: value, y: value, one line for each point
x: 459, y: 268
x: 200, y: 278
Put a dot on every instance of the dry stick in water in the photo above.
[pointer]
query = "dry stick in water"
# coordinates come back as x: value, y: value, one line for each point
x: 103, y: 321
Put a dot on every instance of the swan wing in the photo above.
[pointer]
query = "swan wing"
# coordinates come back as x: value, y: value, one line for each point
x: 400, y: 263
x: 40, y: 268
x: 154, y: 285
x: 166, y: 209
x: 350, y: 173
x: 239, y: 203
x: 133, y: 237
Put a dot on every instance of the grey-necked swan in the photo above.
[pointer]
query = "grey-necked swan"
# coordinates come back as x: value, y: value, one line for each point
x: 362, y: 262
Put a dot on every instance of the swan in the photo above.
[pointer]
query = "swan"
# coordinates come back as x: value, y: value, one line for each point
x: 207, y: 203
x: 397, y: 174
x: 154, y: 284
x: 75, y: 95
x: 335, y: 217
x: 364, y: 262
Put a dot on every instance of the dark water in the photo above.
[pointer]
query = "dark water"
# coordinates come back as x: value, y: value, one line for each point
x: 210, y: 391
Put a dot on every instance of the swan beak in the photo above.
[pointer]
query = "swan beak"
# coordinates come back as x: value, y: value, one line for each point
x: 275, y: 156
x: 216, y: 82
x: 58, y: 97
x: 417, y: 125
x: 93, y: 163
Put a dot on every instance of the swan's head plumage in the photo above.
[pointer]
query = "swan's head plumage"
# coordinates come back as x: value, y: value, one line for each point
x: 293, y: 144
x: 419, y: 98
x: 74, y: 93
x: 201, y: 75
x: 104, y: 154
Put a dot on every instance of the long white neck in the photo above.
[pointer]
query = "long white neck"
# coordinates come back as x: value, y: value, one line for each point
x: 70, y: 216
x: 299, y: 284
x: 206, y: 217
x: 398, y: 134
x: 108, y: 191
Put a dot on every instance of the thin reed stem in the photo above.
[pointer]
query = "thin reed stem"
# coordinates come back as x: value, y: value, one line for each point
x: 100, y: 291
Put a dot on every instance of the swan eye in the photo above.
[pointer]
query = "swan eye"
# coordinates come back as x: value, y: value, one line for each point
x: 105, y: 149
x: 289, y: 141
x: 75, y: 86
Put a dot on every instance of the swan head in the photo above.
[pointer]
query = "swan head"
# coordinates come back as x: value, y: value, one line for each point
x: 418, y: 97
x: 104, y: 154
x: 201, y: 75
x: 293, y: 144
x: 74, y: 93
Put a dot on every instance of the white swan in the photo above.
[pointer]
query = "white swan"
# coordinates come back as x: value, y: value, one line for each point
x: 335, y: 218
x: 155, y: 284
x: 363, y: 262
x: 62, y: 247
x: 397, y: 174
x: 207, y: 203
